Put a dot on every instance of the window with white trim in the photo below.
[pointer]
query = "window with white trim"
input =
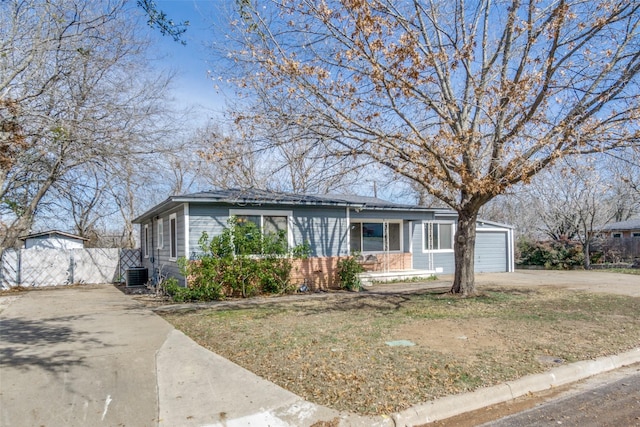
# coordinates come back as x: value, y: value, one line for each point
x: 375, y: 236
x: 160, y: 233
x: 438, y: 236
x: 617, y: 235
x: 269, y: 222
x: 173, y: 237
x: 145, y: 241
x: 635, y: 235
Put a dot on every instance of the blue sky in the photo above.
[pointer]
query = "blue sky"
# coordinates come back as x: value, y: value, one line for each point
x: 193, y: 88
x: 191, y: 62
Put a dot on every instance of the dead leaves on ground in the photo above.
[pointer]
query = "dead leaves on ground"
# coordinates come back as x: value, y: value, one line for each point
x: 333, y: 353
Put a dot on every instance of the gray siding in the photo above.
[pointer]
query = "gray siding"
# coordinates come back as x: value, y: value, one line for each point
x: 325, y: 229
x: 445, y: 261
x: 491, y: 251
x: 205, y: 217
x: 420, y: 261
x: 159, y: 256
x: 170, y: 267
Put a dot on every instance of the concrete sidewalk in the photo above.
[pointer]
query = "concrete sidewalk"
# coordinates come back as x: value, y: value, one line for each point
x: 91, y: 355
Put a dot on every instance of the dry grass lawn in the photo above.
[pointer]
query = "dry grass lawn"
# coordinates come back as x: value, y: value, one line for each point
x: 334, y: 350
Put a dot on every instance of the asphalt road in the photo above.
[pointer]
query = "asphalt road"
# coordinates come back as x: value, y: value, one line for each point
x: 613, y: 404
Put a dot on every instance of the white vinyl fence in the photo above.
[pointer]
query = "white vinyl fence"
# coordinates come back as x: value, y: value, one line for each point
x: 53, y: 267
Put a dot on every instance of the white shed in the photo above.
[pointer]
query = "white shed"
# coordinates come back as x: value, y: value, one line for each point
x: 53, y: 239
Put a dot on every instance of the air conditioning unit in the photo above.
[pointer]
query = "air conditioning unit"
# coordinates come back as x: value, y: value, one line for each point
x: 136, y: 276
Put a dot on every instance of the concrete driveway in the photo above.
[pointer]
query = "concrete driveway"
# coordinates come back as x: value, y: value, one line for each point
x: 80, y: 356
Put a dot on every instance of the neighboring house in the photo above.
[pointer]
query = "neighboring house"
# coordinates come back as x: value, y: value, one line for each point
x: 619, y: 242
x: 623, y: 229
x: 390, y: 236
x: 53, y: 239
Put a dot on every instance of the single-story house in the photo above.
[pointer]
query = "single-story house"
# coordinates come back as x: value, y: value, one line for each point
x: 390, y: 237
x: 53, y: 239
x: 623, y: 229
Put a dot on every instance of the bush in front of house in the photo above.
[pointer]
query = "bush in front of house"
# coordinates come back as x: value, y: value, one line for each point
x: 199, y: 293
x: 348, y: 270
x: 550, y: 254
x: 240, y: 262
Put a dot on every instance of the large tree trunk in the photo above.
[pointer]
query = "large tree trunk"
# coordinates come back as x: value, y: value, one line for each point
x: 464, y: 251
x: 586, y: 249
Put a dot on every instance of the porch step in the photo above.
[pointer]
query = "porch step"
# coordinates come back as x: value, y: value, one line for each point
x: 370, y: 277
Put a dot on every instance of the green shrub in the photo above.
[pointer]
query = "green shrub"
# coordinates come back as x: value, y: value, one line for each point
x: 240, y: 262
x: 348, y: 269
x: 551, y: 254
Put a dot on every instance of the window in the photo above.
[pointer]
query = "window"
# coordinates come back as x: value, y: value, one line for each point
x: 617, y: 235
x: 438, y: 236
x: 145, y: 241
x: 356, y: 237
x: 160, y: 233
x: 394, y: 236
x: 274, y: 223
x: 268, y: 224
x: 371, y: 236
x: 635, y: 234
x: 173, y: 237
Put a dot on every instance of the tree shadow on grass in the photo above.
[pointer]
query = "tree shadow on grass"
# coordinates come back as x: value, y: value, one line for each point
x: 50, y: 344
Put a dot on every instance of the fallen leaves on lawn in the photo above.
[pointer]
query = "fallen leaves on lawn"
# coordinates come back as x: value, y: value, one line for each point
x: 333, y: 352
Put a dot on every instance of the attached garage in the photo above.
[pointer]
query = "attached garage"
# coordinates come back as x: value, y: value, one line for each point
x: 494, y: 248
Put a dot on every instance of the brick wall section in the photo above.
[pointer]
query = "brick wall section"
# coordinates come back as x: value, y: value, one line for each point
x: 317, y: 273
x: 396, y: 262
x: 321, y: 273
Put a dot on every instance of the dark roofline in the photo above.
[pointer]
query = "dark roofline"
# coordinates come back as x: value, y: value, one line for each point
x: 494, y: 223
x: 261, y: 197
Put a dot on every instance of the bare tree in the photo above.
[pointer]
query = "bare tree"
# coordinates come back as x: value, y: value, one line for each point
x: 278, y: 159
x: 75, y: 91
x: 623, y: 171
x: 467, y: 98
x: 574, y: 201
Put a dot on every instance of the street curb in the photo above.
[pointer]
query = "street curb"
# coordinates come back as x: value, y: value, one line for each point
x: 451, y: 406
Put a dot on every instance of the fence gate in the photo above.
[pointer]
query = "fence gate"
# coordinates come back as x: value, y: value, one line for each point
x: 128, y: 258
x: 96, y: 265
